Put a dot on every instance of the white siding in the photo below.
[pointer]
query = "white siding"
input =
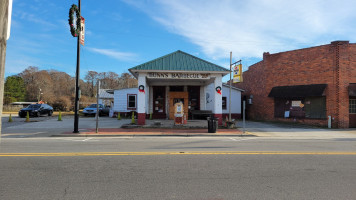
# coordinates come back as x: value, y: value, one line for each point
x: 120, y: 99
x: 202, y: 97
x: 235, y: 99
x: 209, y: 92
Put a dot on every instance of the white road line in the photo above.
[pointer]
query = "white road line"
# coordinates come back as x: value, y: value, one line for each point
x: 80, y: 140
x: 241, y: 139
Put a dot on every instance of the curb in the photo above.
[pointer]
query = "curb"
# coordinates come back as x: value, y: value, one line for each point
x: 141, y: 135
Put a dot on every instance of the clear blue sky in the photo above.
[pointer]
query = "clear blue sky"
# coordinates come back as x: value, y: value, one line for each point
x: 121, y: 34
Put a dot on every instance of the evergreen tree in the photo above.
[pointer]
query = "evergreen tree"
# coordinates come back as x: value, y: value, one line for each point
x: 14, y: 89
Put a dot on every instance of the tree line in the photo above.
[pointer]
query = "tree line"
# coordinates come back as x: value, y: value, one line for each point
x: 58, y: 88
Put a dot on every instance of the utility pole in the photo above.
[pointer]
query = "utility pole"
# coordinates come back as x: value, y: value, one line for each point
x: 97, y: 106
x: 5, y: 22
x: 231, y: 64
x: 230, y: 88
x: 76, y: 106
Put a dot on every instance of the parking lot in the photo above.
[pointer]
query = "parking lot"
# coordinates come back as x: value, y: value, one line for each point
x: 45, y: 126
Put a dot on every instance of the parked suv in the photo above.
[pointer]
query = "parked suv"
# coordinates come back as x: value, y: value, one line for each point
x: 91, y: 110
x: 36, y: 110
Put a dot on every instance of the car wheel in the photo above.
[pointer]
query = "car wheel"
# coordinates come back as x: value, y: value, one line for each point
x: 50, y: 113
x: 38, y: 114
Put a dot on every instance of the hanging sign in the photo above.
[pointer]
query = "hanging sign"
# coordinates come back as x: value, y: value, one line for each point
x: 9, y: 19
x: 237, y: 78
x: 82, y: 30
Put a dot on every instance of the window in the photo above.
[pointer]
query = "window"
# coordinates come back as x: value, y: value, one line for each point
x: 310, y: 107
x: 224, y: 103
x: 352, y: 106
x: 131, y: 101
x: 315, y: 107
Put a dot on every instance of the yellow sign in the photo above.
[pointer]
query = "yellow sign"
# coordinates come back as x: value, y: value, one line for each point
x: 237, y: 79
x: 237, y: 73
x: 237, y: 69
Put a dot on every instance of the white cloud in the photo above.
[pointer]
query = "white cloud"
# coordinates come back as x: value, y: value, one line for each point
x: 251, y: 27
x: 122, y: 56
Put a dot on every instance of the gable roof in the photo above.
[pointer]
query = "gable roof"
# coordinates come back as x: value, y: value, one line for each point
x: 179, y: 61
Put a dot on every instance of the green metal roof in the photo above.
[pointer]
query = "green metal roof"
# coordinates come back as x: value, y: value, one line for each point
x: 179, y: 61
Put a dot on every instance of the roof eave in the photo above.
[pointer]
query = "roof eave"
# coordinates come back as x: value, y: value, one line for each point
x: 133, y: 71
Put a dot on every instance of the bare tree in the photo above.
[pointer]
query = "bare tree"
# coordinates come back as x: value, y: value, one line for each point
x: 127, y: 81
x: 91, y: 78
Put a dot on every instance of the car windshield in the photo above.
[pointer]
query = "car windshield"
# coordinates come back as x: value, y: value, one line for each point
x: 92, y: 106
x: 34, y: 106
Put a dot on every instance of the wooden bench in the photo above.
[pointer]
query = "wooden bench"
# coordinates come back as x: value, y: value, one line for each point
x: 201, y: 114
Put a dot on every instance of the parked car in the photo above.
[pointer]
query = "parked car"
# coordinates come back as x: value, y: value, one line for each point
x: 36, y: 110
x: 91, y: 110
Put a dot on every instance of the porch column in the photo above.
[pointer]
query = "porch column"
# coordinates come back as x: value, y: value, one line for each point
x: 141, y: 100
x: 217, y: 111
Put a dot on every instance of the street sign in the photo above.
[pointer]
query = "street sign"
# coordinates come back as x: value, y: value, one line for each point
x: 9, y: 19
x: 82, y: 31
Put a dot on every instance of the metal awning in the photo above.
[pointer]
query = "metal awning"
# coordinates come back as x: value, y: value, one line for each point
x: 352, y: 89
x: 298, y: 91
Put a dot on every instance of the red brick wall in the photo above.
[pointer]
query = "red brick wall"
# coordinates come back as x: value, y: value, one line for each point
x: 333, y: 64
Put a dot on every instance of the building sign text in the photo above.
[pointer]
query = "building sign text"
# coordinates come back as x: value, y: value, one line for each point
x: 166, y: 75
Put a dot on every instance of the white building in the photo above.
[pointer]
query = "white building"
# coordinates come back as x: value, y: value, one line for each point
x: 125, y: 100
x: 178, y: 77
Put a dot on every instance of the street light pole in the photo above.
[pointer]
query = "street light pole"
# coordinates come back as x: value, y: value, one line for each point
x: 231, y: 64
x: 76, y: 106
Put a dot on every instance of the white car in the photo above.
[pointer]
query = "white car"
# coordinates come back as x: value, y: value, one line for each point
x: 91, y: 110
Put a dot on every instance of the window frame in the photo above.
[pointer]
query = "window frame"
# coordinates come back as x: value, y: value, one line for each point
x: 128, y: 102
x: 352, y: 106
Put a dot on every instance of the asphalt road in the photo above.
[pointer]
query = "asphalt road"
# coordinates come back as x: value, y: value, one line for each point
x: 283, y: 162
x: 177, y: 168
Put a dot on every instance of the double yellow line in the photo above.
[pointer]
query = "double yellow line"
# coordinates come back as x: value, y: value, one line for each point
x: 72, y: 154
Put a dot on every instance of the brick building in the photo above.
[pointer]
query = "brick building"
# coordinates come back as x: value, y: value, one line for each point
x: 305, y: 85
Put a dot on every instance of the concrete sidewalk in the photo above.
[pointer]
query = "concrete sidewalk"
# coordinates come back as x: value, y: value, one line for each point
x: 156, y: 128
x: 296, y: 131
x: 135, y: 132
x: 50, y: 126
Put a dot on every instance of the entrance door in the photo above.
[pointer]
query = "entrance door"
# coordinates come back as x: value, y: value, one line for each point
x: 176, y: 97
x: 159, y: 102
x: 352, y: 112
x: 194, y: 99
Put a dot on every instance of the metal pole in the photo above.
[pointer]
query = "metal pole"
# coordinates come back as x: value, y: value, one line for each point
x: 76, y: 106
x: 230, y: 88
x: 97, y: 106
x: 243, y: 118
x: 4, y: 20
